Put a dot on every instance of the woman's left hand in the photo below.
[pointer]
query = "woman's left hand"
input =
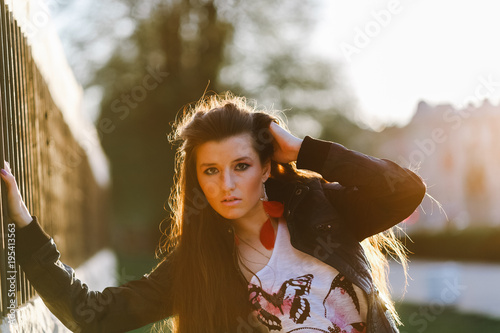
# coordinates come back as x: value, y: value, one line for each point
x: 286, y: 145
x: 15, y: 205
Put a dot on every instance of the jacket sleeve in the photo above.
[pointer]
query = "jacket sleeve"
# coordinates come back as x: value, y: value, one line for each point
x: 371, y: 194
x: 115, y: 309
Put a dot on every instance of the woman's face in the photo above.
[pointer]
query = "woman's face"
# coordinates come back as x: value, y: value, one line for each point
x: 230, y: 175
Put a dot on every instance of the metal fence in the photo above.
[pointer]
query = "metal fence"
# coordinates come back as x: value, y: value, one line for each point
x: 51, y: 168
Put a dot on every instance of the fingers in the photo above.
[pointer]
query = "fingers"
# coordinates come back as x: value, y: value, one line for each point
x: 7, y: 175
x: 275, y: 128
x: 16, y: 207
x: 6, y: 167
x: 287, y: 145
x: 279, y: 132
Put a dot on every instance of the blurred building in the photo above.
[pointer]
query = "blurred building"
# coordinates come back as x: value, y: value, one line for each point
x: 454, y: 151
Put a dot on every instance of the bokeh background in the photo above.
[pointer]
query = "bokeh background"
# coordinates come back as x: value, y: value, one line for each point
x: 416, y: 82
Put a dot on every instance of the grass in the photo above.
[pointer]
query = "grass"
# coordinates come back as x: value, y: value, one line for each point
x: 472, y: 244
x: 428, y: 319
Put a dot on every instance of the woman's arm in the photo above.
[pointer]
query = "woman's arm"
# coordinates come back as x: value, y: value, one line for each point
x: 115, y: 309
x: 372, y: 194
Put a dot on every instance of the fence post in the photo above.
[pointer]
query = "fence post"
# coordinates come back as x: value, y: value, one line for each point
x: 43, y: 144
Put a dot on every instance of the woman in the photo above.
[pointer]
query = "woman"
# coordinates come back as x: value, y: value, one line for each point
x: 269, y: 233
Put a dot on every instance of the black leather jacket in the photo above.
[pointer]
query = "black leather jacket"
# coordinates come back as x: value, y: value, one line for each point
x: 362, y: 196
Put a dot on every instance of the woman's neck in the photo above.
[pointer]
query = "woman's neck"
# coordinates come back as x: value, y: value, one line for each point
x: 249, y: 228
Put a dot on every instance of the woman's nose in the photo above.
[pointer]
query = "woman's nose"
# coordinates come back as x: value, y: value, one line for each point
x: 227, y: 181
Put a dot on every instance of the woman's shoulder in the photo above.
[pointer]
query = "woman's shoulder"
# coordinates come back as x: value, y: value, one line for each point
x: 278, y: 188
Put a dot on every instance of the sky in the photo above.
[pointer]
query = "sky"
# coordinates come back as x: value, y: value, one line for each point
x: 395, y: 53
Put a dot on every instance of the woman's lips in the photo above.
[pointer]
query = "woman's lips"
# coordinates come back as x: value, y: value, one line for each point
x: 231, y: 201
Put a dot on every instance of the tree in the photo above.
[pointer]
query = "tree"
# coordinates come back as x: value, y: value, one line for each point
x: 179, y: 48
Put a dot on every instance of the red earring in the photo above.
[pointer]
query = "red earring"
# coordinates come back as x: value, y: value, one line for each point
x: 272, y: 209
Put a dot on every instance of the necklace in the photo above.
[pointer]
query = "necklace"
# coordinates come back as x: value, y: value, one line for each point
x: 238, y: 239
x: 267, y: 235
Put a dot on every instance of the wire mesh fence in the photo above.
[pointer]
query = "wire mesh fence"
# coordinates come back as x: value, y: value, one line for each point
x: 51, y: 168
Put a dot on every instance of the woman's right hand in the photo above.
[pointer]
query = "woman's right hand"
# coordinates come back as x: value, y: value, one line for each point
x: 16, y: 208
x: 286, y: 145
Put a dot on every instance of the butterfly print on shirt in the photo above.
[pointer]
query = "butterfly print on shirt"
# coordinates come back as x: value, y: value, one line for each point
x: 288, y: 300
x: 342, y: 307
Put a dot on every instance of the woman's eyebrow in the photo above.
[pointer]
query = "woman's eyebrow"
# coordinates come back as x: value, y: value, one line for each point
x: 207, y: 164
x: 242, y: 158
x: 236, y: 160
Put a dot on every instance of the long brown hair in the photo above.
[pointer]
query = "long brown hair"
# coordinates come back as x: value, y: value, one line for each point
x: 209, y: 293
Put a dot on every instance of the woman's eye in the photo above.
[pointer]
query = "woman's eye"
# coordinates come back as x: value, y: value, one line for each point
x: 242, y: 166
x: 210, y: 171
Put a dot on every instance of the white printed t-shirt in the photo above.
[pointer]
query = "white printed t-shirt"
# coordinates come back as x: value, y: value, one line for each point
x: 301, y: 293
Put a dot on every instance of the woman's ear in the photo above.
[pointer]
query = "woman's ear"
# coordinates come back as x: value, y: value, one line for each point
x: 266, y: 168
